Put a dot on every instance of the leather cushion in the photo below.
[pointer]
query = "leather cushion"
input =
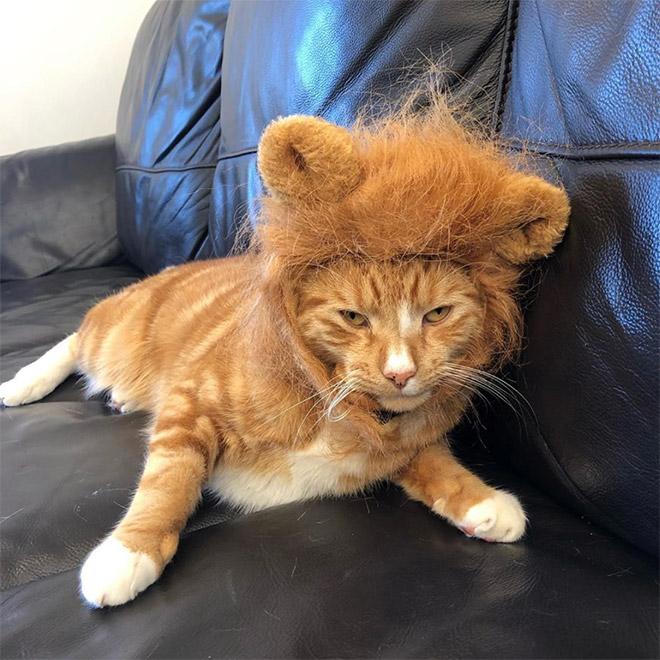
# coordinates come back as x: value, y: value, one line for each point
x: 58, y: 209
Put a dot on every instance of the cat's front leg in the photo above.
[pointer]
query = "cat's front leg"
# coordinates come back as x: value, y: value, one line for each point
x: 436, y: 478
x: 182, y: 450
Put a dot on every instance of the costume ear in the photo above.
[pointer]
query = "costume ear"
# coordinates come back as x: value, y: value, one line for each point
x: 302, y: 157
x: 539, y: 214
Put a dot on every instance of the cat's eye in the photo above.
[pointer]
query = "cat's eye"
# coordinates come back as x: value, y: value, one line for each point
x: 354, y: 318
x: 438, y: 314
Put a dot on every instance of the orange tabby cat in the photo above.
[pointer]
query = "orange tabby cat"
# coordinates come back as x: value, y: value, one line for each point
x: 339, y: 351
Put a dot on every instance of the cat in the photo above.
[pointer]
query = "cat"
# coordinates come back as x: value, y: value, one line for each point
x: 338, y: 351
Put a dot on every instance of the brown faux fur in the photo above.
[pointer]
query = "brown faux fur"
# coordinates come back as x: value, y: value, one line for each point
x: 448, y: 193
x: 408, y: 185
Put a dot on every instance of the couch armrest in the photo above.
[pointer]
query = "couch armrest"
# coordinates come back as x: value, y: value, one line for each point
x: 58, y: 209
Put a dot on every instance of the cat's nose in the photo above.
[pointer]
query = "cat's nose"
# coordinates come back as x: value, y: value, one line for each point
x: 399, y: 378
x: 399, y: 367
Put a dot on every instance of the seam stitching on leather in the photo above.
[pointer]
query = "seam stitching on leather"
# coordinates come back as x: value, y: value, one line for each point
x: 237, y: 154
x: 506, y: 65
x: 598, y: 156
x: 174, y: 168
x: 186, y: 168
x: 597, y: 145
x: 511, y: 141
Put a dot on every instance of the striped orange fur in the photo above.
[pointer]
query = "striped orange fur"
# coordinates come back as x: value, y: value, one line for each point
x: 339, y: 351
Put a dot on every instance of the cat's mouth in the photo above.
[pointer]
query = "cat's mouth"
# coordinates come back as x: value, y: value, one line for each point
x: 402, y: 402
x: 396, y: 401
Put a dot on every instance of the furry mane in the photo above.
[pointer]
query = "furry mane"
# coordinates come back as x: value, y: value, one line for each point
x: 412, y: 182
x: 409, y: 183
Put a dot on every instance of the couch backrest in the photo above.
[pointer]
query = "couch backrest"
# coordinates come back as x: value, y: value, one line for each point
x: 205, y: 78
x: 168, y: 133
x: 584, y: 90
x: 576, y: 81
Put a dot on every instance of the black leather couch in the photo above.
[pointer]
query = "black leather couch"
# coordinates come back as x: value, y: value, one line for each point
x: 375, y: 576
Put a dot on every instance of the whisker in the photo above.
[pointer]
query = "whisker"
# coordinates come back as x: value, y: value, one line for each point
x: 320, y: 393
x: 345, y: 391
x: 309, y: 412
x: 347, y: 388
x: 493, y: 385
x: 506, y: 386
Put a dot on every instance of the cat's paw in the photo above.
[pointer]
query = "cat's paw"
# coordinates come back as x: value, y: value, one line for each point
x: 120, y: 407
x: 113, y: 575
x: 499, y: 518
x: 25, y: 387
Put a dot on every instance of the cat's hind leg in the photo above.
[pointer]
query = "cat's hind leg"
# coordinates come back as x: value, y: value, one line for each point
x: 183, y: 449
x: 121, y: 404
x: 436, y: 478
x: 41, y: 377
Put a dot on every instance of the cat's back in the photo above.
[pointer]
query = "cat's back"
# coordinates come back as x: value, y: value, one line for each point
x: 141, y: 333
x: 190, y: 279
x: 177, y: 292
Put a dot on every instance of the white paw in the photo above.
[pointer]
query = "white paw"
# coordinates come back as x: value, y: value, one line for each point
x: 499, y: 518
x: 113, y: 575
x: 25, y: 387
x: 40, y: 377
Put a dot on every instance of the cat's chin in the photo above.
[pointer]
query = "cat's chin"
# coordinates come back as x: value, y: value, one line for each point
x: 401, y: 403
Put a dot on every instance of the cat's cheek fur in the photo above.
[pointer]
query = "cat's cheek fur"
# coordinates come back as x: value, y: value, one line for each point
x: 499, y: 518
x: 113, y: 575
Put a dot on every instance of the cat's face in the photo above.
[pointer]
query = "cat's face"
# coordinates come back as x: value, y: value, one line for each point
x: 391, y: 330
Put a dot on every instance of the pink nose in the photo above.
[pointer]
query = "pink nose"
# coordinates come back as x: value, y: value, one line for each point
x: 399, y: 378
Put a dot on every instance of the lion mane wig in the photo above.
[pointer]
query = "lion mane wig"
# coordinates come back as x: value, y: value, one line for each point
x: 408, y: 184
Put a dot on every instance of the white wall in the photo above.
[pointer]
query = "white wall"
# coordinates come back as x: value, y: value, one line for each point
x: 62, y: 65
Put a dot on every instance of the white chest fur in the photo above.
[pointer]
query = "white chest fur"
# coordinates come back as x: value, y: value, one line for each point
x: 311, y: 473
